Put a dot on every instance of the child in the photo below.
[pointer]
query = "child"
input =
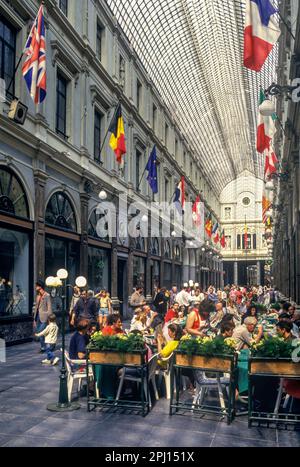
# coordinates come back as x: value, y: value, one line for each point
x: 50, y: 334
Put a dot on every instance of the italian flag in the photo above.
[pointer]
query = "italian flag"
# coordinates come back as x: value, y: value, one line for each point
x: 266, y: 128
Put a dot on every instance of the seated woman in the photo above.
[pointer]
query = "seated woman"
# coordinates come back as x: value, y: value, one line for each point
x: 172, y: 313
x: 139, y: 321
x: 252, y: 312
x: 197, y: 319
x: 166, y: 349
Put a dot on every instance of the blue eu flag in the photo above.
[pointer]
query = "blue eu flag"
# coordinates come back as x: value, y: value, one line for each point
x: 151, y: 168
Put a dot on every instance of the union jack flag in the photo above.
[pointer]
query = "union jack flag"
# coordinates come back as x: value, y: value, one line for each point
x: 34, y: 68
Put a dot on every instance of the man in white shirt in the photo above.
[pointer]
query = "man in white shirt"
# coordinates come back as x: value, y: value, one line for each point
x: 183, y: 298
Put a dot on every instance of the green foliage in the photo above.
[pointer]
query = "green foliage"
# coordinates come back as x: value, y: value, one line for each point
x: 275, y: 306
x: 207, y: 347
x: 260, y: 307
x: 119, y: 343
x: 272, y: 347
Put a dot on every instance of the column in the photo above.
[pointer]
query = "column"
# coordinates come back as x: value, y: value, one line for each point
x: 258, y: 265
x: 148, y: 291
x: 236, y: 273
x: 222, y: 275
x: 84, y: 206
x: 40, y: 179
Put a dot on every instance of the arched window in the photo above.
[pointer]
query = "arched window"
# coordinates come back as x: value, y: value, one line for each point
x: 155, y: 250
x: 95, y: 229
x: 60, y: 213
x: 140, y: 243
x: 168, y: 251
x: 177, y: 253
x: 13, y: 200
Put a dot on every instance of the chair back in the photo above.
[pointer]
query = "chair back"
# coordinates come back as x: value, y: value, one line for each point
x: 170, y: 362
x: 152, y: 366
x: 68, y: 362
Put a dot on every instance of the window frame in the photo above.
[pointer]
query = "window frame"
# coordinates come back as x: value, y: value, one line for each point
x: 13, y: 49
x: 60, y: 76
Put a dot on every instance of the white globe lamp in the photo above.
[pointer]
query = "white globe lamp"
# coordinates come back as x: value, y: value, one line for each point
x: 81, y: 282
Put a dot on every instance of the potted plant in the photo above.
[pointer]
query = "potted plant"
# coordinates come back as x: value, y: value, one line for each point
x: 117, y: 350
x: 273, y: 356
x: 206, y: 353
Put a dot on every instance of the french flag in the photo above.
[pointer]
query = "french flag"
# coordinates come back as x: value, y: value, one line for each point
x: 179, y: 199
x: 261, y: 33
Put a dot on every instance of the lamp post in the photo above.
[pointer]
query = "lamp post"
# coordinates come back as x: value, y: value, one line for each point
x: 63, y: 404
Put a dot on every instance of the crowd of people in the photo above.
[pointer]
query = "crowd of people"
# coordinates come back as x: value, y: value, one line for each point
x: 231, y: 312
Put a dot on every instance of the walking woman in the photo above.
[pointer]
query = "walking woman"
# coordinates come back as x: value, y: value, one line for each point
x: 105, y: 308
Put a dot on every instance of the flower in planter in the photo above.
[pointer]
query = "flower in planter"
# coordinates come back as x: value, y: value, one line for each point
x: 230, y: 342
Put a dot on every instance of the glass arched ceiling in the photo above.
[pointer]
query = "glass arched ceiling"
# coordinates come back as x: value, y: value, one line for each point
x: 193, y: 52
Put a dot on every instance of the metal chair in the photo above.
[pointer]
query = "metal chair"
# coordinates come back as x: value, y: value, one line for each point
x: 152, y: 366
x: 77, y: 374
x: 204, y: 384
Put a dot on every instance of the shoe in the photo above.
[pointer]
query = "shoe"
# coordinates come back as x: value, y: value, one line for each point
x: 55, y: 361
x: 42, y: 351
x: 46, y: 362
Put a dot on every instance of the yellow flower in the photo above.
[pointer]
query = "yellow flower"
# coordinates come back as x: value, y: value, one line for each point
x: 230, y: 342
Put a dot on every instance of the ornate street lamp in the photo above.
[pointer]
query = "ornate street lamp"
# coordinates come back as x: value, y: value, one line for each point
x: 63, y: 404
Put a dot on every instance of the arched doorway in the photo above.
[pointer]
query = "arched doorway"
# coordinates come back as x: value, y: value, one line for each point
x: 62, y: 244
x: 16, y: 235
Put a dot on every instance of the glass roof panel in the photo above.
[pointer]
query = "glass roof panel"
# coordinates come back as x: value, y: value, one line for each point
x: 193, y: 52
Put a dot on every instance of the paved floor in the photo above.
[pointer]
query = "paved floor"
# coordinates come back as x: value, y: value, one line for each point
x: 26, y: 387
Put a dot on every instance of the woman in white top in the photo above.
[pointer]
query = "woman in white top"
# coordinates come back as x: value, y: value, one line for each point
x: 139, y: 321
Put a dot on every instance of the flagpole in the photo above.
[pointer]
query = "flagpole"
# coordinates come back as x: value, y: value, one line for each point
x: 115, y: 113
x: 286, y: 25
x: 14, y: 75
x: 19, y: 63
x: 138, y: 188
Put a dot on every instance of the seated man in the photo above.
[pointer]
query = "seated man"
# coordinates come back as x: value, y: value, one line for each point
x: 227, y: 330
x: 284, y: 330
x: 79, y: 341
x: 243, y: 334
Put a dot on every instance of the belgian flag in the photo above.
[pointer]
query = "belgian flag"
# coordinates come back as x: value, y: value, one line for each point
x: 117, y: 139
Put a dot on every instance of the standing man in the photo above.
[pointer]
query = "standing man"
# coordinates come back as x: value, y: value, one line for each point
x: 41, y: 312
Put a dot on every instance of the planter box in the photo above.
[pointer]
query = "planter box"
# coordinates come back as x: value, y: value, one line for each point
x: 222, y: 363
x: 116, y: 358
x: 268, y: 366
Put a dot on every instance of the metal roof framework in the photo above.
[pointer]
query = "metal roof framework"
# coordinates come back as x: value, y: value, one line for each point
x: 193, y: 53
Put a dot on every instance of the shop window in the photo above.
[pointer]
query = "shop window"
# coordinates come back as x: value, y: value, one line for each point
x: 155, y: 250
x: 98, y: 268
x: 13, y: 199
x: 168, y: 251
x: 61, y: 253
x: 167, y: 276
x: 14, y: 273
x: 139, y: 244
x: 139, y: 272
x: 95, y: 229
x: 60, y: 214
x: 177, y: 253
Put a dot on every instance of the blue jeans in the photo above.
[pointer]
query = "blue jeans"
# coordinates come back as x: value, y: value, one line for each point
x: 49, y: 350
x: 40, y: 327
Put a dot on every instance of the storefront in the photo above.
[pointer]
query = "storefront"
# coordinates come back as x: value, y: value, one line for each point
x: 16, y: 256
x: 99, y: 257
x: 167, y: 279
x: 62, y: 244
